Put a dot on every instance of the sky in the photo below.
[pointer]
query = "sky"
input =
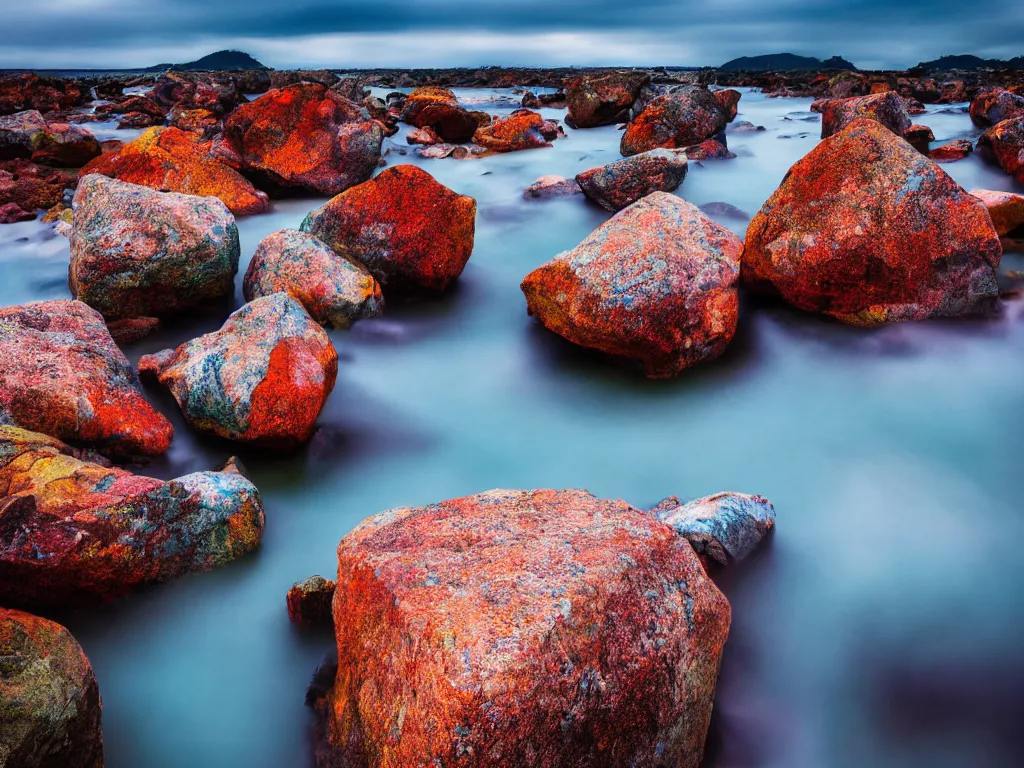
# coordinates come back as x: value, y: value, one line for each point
x: 873, y: 34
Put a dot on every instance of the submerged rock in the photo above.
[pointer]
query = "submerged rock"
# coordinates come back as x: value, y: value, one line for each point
x: 993, y: 107
x: 552, y: 186
x: 1005, y: 141
x: 522, y: 129
x: 725, y: 527
x: 171, y: 160
x: 62, y: 374
x: 28, y: 135
x: 72, y: 529
x: 622, y: 183
x: 136, y: 252
x: 867, y: 230
x: 593, y: 101
x: 409, y: 231
x: 682, y: 118
x: 887, y: 109
x: 656, y: 284
x: 1005, y: 208
x: 50, y: 709
x: 334, y: 290
x: 309, y: 602
x: 263, y: 378
x: 521, y: 628
x: 437, y: 108
x: 957, y: 149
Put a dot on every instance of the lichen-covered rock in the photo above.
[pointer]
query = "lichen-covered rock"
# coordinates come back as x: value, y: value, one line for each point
x: 656, y: 284
x: 171, y: 160
x: 72, y: 529
x: 545, y: 628
x: 1005, y: 141
x: 686, y: 116
x: 622, y: 183
x: 28, y: 135
x: 309, y: 602
x: 951, y: 151
x: 50, y: 709
x: 725, y: 527
x: 994, y: 106
x: 919, y: 137
x: 604, y: 99
x: 305, y: 136
x: 522, y: 129
x: 715, y: 148
x: 552, y: 186
x: 263, y: 378
x: 136, y: 252
x: 29, y: 186
x: 62, y: 374
x: 887, y: 109
x: 334, y: 290
x: 437, y: 108
x: 45, y: 94
x: 729, y: 99
x: 12, y: 213
x: 867, y: 230
x: 411, y: 232
x: 1005, y: 208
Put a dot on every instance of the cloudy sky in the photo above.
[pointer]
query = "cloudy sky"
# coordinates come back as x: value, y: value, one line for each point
x: 406, y: 33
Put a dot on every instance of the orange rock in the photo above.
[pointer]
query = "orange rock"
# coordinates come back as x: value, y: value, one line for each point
x: 437, y: 108
x: 887, y: 108
x: 522, y: 129
x: 1005, y: 208
x: 1005, y: 141
x: 682, y: 118
x: 729, y: 99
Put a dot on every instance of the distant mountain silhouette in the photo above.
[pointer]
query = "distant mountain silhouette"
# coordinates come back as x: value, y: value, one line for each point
x: 782, y: 62
x: 220, y: 61
x: 946, y: 63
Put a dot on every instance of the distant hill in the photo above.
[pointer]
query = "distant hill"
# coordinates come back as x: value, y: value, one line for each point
x: 968, y: 62
x: 782, y: 62
x: 221, y: 61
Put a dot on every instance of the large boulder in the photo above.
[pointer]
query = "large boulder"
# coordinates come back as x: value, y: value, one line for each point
x: 1005, y: 142
x: 136, y: 252
x: 437, y: 108
x: 411, y: 232
x: 50, y: 709
x: 686, y: 116
x: 29, y: 136
x: 622, y: 183
x: 334, y: 290
x: 1005, y: 208
x: 522, y: 129
x: 887, y: 109
x: 62, y: 374
x: 725, y: 527
x: 867, y: 230
x: 603, y: 99
x: 656, y: 284
x: 171, y: 160
x: 71, y: 529
x: 305, y: 136
x: 993, y: 107
x: 262, y: 379
x: 545, y: 628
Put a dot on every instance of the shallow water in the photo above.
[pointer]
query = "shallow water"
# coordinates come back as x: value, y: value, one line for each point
x: 881, y: 625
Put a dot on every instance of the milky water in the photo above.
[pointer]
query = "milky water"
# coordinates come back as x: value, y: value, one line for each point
x: 881, y: 625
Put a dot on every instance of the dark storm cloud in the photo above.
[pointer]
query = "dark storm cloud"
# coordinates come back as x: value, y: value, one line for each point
x: 869, y: 32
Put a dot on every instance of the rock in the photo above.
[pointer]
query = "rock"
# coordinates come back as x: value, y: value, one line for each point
x: 28, y: 135
x: 334, y: 290
x: 555, y: 100
x: 437, y: 108
x: 409, y: 231
x: 919, y: 137
x: 202, y: 121
x: 679, y: 119
x: 603, y: 99
x: 1005, y: 208
x: 62, y: 374
x: 71, y: 529
x: 309, y: 602
x: 993, y: 107
x: 725, y: 527
x: 887, y: 109
x: 552, y: 186
x: 262, y: 379
x: 44, y: 94
x: 307, y: 137
x: 521, y: 628
x: 147, y: 112
x: 745, y: 127
x: 1005, y: 141
x: 424, y: 136
x: 132, y: 329
x: 51, y: 709
x: 136, y: 252
x: 957, y: 149
x: 29, y: 186
x: 867, y: 230
x: 729, y: 99
x: 11, y: 213
x: 713, y: 149
x: 656, y: 284
x: 171, y: 160
x: 522, y: 129
x: 622, y: 183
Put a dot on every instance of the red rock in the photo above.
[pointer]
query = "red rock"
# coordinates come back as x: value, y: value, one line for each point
x: 993, y: 107
x: 138, y: 120
x: 846, y: 85
x: 51, y: 703
x: 729, y: 99
x: 409, y: 231
x: 29, y: 186
x: 684, y: 117
x: 887, y: 109
x: 306, y: 137
x: 552, y: 186
x: 919, y: 137
x: 28, y: 135
x: 867, y: 230
x: 44, y: 94
x: 514, y: 628
x: 1005, y: 141
x: 957, y: 149
x: 135, y: 105
x: 603, y: 99
x: 62, y: 374
x: 1005, y: 208
x: 712, y: 149
x: 522, y: 129
x: 11, y: 213
x: 133, y: 329
x: 425, y: 136
x: 622, y: 183
x: 309, y: 602
x: 202, y: 121
x: 171, y: 160
x: 437, y: 108
x: 655, y: 284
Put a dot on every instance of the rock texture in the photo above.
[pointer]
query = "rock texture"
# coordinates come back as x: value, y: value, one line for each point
x: 29, y: 135
x: 522, y: 129
x: 1005, y: 208
x: 684, y: 117
x: 725, y: 527
x: 622, y: 183
x: 1005, y: 142
x: 887, y: 109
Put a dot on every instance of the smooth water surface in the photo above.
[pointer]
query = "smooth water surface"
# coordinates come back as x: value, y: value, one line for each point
x: 883, y: 623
